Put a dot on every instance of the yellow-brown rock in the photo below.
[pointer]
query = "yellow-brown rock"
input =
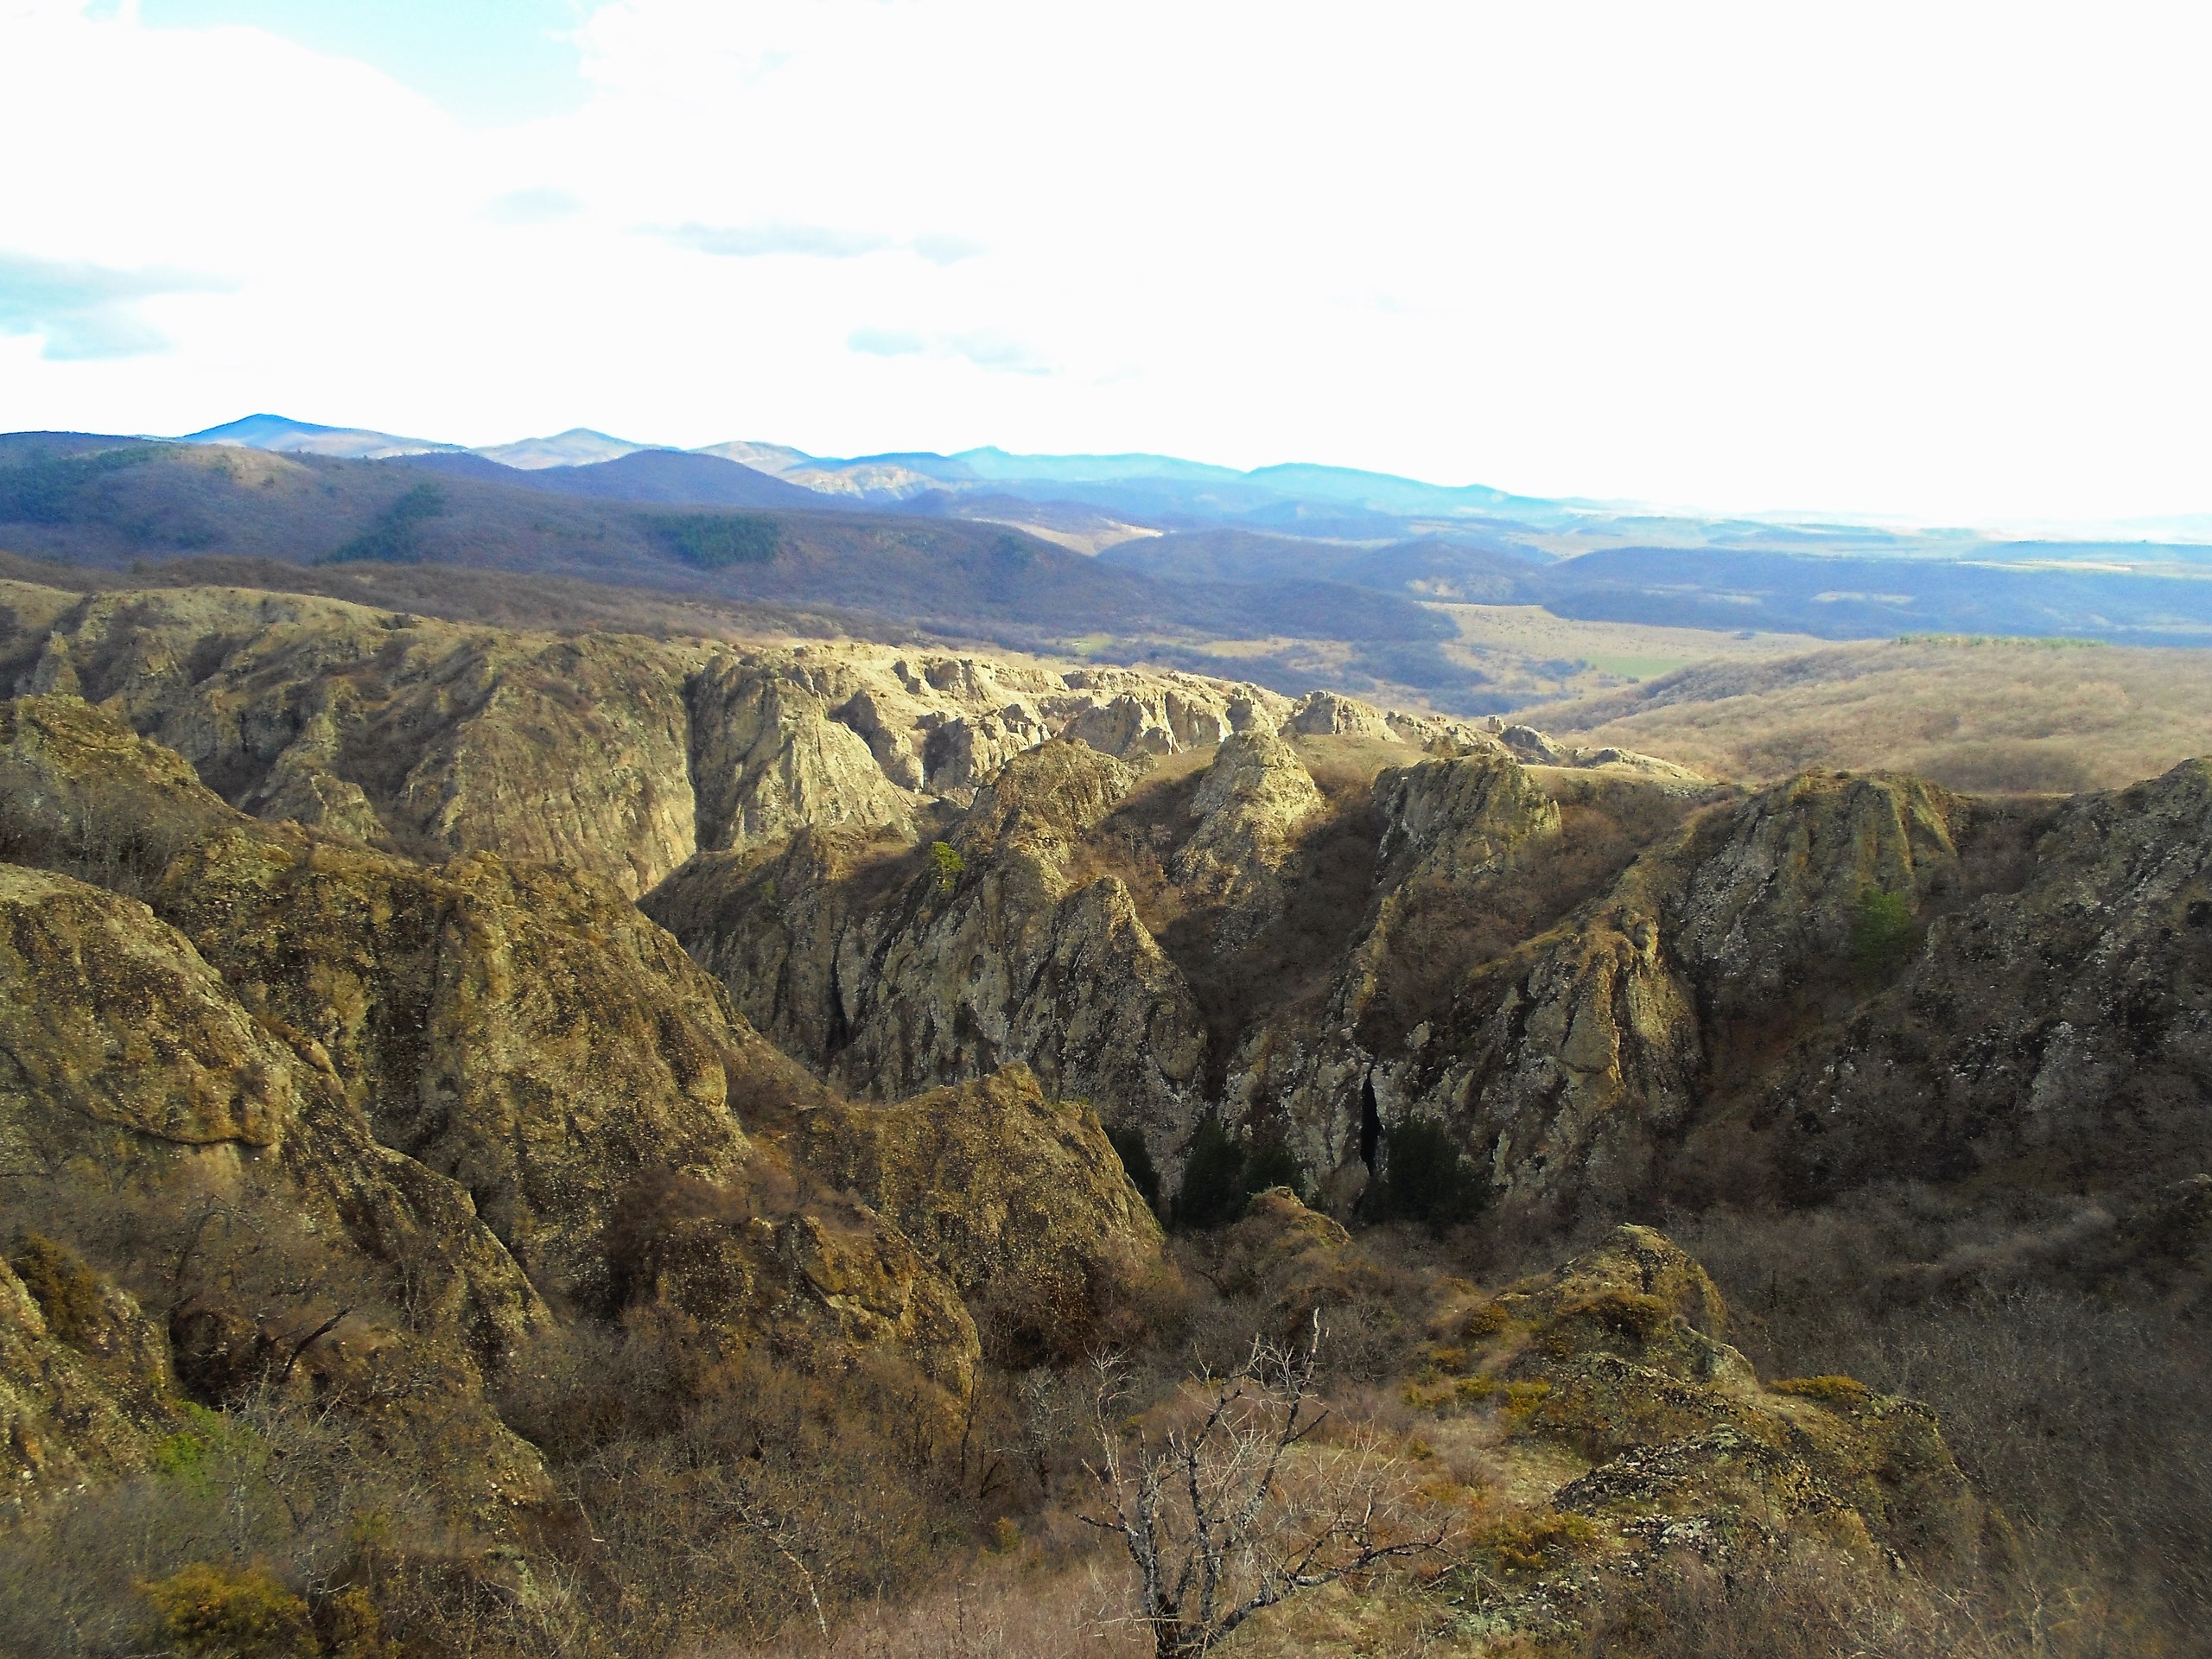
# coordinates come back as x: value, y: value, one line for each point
x: 1019, y: 1200
x: 110, y: 1014
x: 66, y: 1417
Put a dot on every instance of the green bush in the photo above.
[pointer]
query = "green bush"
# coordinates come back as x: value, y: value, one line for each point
x: 1223, y: 1174
x: 1136, y: 1162
x: 1883, y: 932
x: 945, y: 860
x: 214, y: 1611
x: 392, y: 539
x: 1425, y: 1178
x: 711, y: 540
x: 1212, y: 1194
x: 1272, y: 1163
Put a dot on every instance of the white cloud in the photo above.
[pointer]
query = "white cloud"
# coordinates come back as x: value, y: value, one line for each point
x: 885, y: 342
x: 86, y: 311
x: 942, y: 250
x: 1937, y: 260
x: 543, y: 205
x: 755, y: 241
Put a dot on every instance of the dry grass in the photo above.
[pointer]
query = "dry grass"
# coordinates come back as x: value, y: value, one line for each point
x: 1008, y: 1606
x: 1526, y: 650
x: 2071, y: 1371
x: 1994, y: 717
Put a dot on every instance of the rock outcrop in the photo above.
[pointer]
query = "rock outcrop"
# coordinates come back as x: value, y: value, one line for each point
x: 1570, y: 1065
x: 1451, y: 830
x: 2068, y: 1021
x: 429, y: 738
x: 901, y: 973
x: 415, y: 734
x: 1019, y: 1201
x: 462, y: 1105
x: 1621, y: 1355
x: 908, y: 868
x: 1623, y: 1440
x: 1247, y: 810
x: 69, y: 1416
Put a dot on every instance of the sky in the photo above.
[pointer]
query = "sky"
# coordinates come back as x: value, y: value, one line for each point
x: 1943, y: 262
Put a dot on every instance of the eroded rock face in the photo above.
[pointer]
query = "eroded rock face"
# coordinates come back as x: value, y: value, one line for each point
x: 485, y: 1099
x: 165, y: 1113
x: 1774, y: 889
x: 1629, y: 1342
x: 2071, y: 1020
x: 1451, y: 828
x: 768, y: 759
x: 1018, y: 1199
x: 907, y: 971
x: 1248, y: 809
x: 1328, y: 713
x: 69, y: 1416
x: 614, y: 754
x: 908, y: 883
x: 1570, y: 1063
x: 406, y: 733
x: 893, y: 971
x: 1022, y: 936
x: 523, y: 1034
x: 84, y: 967
x: 1623, y: 1435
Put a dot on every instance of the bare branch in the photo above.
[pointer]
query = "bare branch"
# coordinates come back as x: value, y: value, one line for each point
x: 1229, y: 1517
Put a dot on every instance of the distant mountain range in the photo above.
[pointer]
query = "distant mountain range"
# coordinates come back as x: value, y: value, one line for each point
x: 1141, y: 492
x: 1087, y: 503
x: 1295, y: 575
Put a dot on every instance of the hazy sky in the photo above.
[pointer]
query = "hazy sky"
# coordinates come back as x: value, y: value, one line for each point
x: 1947, y: 261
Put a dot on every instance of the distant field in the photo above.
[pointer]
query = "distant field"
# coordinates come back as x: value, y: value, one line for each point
x: 1515, y: 655
x: 1544, y: 657
x: 1994, y: 716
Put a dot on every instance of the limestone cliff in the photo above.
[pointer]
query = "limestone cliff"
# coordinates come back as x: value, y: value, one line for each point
x: 411, y: 733
x: 448, y: 1107
x: 2070, y: 1021
x: 1247, y: 814
x: 1084, y: 918
x: 68, y: 1415
x: 615, y: 754
x: 1572, y: 1063
x: 898, y: 971
x: 1017, y: 1198
x: 1168, y: 896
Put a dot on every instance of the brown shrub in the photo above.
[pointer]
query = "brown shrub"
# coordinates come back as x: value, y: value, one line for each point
x: 231, y: 1612
x: 67, y: 1291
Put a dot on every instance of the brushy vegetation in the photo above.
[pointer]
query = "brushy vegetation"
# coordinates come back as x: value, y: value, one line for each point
x: 1424, y: 1177
x: 2023, y: 642
x: 2024, y: 718
x: 54, y: 489
x: 394, y: 538
x: 211, y: 1611
x: 67, y: 1291
x: 712, y: 1502
x: 1135, y: 1154
x: 947, y: 865
x: 2070, y: 1366
x: 715, y: 540
x: 1223, y: 1174
x: 1884, y: 933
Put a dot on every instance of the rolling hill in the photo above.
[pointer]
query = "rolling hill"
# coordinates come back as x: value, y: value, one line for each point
x: 653, y: 519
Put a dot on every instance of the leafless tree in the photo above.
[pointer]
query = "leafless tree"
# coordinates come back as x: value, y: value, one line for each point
x: 1231, y: 1515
